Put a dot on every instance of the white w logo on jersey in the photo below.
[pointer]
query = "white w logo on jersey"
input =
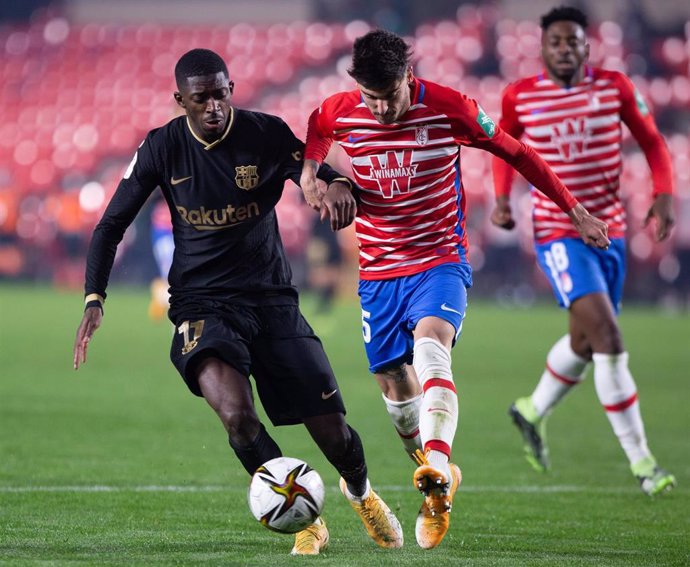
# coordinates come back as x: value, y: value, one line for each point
x: 570, y: 137
x: 394, y: 172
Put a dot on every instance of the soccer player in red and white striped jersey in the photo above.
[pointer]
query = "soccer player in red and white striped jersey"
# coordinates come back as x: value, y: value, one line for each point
x: 403, y: 136
x: 572, y: 114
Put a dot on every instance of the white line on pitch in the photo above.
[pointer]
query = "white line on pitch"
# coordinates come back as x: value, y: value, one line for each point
x: 556, y: 489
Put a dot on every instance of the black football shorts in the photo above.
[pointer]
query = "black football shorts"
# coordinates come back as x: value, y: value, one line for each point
x: 275, y: 345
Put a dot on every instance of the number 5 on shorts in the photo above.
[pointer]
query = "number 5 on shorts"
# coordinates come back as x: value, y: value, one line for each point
x: 366, y: 328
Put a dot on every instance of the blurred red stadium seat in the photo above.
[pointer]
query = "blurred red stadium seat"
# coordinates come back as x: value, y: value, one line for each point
x: 85, y: 94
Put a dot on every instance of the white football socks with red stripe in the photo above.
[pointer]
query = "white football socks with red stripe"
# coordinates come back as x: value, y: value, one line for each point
x: 438, y: 417
x: 618, y: 394
x: 405, y: 418
x: 564, y: 369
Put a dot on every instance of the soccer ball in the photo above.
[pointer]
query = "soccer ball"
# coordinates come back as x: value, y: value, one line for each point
x: 286, y: 495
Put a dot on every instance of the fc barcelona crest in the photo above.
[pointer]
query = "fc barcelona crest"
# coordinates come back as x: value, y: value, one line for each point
x: 246, y: 177
x: 422, y: 135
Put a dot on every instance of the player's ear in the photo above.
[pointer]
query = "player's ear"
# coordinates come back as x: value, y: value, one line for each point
x: 586, y: 51
x: 410, y: 75
x: 178, y: 99
x: 231, y: 86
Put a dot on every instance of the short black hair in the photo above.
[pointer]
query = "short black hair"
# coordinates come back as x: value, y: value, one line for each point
x: 564, y: 13
x: 198, y: 62
x: 379, y: 58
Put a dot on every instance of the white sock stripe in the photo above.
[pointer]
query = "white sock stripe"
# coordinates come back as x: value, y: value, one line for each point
x: 615, y: 386
x: 438, y: 415
x: 565, y: 341
x: 442, y: 396
x: 563, y: 361
x: 429, y: 341
x: 604, y: 358
x: 431, y: 360
x: 564, y: 369
x: 403, y: 403
x: 404, y: 414
x: 612, y: 379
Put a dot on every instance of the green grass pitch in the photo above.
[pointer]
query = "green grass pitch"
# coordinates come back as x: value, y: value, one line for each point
x: 118, y: 464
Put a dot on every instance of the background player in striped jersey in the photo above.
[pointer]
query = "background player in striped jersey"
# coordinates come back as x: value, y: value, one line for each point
x: 403, y: 136
x: 571, y: 114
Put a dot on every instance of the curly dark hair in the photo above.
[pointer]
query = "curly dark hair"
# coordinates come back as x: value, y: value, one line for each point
x: 379, y: 58
x: 564, y: 13
x: 198, y: 62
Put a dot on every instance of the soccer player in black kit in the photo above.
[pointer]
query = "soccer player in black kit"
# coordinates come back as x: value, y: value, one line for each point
x: 221, y: 170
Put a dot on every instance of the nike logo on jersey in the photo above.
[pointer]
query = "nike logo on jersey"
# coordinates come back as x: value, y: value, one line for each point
x: 352, y: 138
x: 174, y: 181
x: 444, y: 307
x: 325, y: 396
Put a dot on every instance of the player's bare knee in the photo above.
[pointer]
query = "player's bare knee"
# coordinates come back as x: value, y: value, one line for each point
x: 397, y: 384
x: 396, y: 374
x: 607, y: 338
x: 580, y: 345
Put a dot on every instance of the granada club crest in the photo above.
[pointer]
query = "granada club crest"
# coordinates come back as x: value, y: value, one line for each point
x: 246, y: 177
x: 421, y: 134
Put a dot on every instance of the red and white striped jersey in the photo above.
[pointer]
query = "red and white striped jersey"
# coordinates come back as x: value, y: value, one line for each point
x: 577, y: 130
x: 411, y: 214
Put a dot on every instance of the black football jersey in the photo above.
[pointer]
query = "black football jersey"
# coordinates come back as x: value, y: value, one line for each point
x: 222, y: 199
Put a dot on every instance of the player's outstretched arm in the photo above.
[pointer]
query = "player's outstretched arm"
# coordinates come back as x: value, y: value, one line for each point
x: 502, y: 215
x: 592, y: 231
x: 89, y: 323
x: 662, y: 211
x: 533, y: 168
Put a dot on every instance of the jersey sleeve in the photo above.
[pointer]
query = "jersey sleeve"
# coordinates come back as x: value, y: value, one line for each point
x: 319, y: 135
x: 503, y: 173
x: 476, y: 129
x: 139, y: 181
x: 290, y: 150
x: 637, y: 117
x: 293, y: 159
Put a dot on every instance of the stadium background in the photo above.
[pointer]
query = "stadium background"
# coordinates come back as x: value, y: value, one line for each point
x: 81, y: 82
